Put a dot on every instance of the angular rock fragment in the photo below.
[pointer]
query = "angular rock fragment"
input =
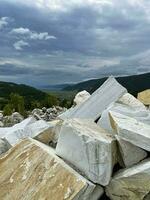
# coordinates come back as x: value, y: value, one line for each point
x: 81, y: 97
x: 88, y: 148
x: 131, y: 184
x: 22, y: 125
x: 131, y: 130
x: 130, y: 100
x: 40, y: 130
x: 37, y: 173
x: 141, y: 115
x: 92, y: 108
x: 4, y: 146
x: 144, y: 97
x: 130, y: 153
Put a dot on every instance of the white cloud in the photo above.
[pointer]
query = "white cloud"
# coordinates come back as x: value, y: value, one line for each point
x: 32, y: 34
x: 20, y: 44
x: 3, y: 22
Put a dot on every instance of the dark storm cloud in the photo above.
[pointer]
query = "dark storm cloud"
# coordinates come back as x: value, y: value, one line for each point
x: 89, y: 39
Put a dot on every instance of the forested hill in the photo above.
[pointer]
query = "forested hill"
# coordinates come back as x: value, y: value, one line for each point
x: 134, y: 84
x: 30, y: 94
x: 6, y: 88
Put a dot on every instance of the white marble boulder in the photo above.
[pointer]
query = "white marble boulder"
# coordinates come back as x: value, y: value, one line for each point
x: 35, y: 172
x: 92, y: 108
x: 131, y: 130
x: 81, y: 97
x: 131, y: 183
x: 88, y: 148
x: 4, y: 146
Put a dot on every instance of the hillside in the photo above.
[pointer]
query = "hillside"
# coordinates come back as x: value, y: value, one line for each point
x: 29, y: 93
x: 134, y: 84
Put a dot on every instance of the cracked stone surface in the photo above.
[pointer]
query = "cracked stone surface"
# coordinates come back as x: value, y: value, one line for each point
x: 131, y: 184
x: 89, y: 148
x: 37, y: 173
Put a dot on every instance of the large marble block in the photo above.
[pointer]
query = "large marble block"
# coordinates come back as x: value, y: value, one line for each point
x: 131, y: 183
x: 131, y: 130
x: 35, y: 172
x: 89, y: 148
x: 92, y: 108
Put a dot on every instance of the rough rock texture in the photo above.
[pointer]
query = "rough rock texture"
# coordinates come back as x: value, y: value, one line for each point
x: 81, y: 97
x: 144, y: 97
x: 140, y: 115
x: 37, y: 173
x: 130, y: 100
x: 47, y: 135
x: 4, y: 146
x: 131, y: 130
x: 48, y: 114
x: 131, y: 184
x: 89, y: 148
x: 130, y: 153
x: 92, y: 108
x: 40, y: 130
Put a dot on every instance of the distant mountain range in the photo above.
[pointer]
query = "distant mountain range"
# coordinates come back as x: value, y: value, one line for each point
x: 54, y: 87
x: 134, y: 84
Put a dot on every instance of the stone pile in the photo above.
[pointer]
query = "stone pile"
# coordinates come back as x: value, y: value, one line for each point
x: 96, y: 150
x: 48, y: 114
x: 8, y: 121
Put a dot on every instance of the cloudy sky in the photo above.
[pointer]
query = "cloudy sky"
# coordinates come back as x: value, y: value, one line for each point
x: 46, y: 42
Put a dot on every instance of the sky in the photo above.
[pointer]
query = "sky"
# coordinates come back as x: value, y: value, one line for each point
x: 48, y: 42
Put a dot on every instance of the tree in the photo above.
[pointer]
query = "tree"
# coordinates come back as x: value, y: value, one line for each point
x: 17, y: 102
x: 7, y: 109
x: 49, y: 101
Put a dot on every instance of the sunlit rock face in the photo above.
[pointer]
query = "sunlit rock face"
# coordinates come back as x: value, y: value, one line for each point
x: 89, y: 148
x: 35, y: 172
x: 144, y: 97
x: 131, y: 130
x: 131, y: 184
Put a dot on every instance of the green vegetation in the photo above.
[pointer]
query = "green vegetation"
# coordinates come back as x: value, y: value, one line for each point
x: 23, y: 98
x: 65, y: 97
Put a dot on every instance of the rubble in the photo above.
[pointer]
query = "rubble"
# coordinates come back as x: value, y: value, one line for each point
x: 98, y: 147
x: 89, y: 148
x: 131, y: 183
x: 37, y: 173
x: 48, y: 114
